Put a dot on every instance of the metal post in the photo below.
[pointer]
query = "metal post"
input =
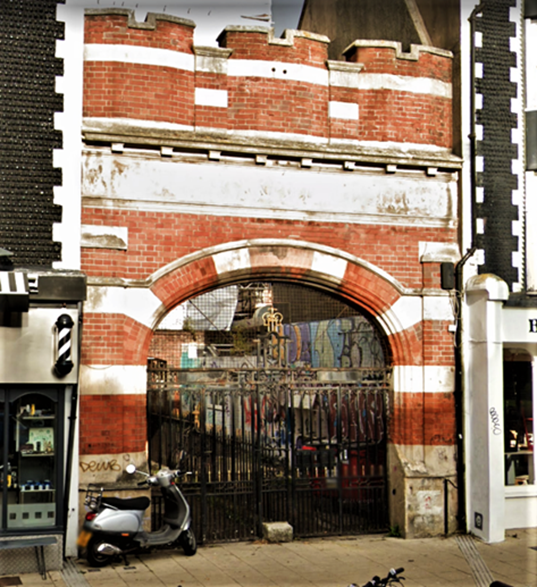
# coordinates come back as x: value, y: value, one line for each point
x: 446, y: 508
x: 340, y: 465
x: 289, y: 451
x: 258, y: 467
x: 203, y: 479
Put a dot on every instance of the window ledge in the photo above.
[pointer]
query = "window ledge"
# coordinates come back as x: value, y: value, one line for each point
x: 513, y: 491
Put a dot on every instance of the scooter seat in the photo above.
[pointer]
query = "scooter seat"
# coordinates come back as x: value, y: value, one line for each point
x: 133, y: 503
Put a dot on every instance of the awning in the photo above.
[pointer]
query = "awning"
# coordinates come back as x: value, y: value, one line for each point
x: 14, y: 291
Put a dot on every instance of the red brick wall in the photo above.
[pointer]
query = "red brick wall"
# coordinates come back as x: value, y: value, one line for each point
x: 384, y: 60
x: 272, y: 105
x: 423, y: 418
x: 156, y: 239
x: 114, y: 339
x: 253, y: 45
x: 129, y: 90
x: 388, y: 115
x: 259, y: 103
x: 114, y: 29
x: 431, y: 275
x: 168, y: 345
x: 112, y: 424
x: 438, y: 343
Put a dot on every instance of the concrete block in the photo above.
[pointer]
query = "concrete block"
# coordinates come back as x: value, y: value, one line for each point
x: 278, y: 531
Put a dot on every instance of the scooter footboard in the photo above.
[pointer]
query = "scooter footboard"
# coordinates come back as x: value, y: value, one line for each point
x: 177, y: 510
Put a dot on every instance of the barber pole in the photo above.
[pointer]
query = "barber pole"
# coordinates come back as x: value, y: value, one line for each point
x: 64, y: 365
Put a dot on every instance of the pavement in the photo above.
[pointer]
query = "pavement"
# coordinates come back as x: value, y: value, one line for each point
x: 461, y: 561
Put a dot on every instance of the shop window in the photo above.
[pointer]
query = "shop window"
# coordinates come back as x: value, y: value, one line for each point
x: 518, y: 419
x: 31, y: 450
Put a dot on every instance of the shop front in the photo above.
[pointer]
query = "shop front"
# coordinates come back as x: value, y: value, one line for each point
x: 39, y: 331
x: 519, y: 388
x: 501, y: 410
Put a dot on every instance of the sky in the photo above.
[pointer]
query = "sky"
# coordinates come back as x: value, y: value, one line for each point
x: 212, y: 16
x: 285, y: 14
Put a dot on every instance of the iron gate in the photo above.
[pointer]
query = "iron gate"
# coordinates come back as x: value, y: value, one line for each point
x: 307, y: 446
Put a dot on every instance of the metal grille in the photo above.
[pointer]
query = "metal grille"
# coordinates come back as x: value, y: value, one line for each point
x: 223, y: 329
x: 275, y: 445
x: 285, y: 423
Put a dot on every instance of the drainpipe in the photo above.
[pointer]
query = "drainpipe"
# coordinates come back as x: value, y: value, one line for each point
x: 458, y: 394
x: 459, y: 289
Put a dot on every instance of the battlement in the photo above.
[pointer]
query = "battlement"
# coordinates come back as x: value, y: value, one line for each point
x: 389, y: 57
x: 257, y: 85
x: 260, y: 43
x: 119, y: 26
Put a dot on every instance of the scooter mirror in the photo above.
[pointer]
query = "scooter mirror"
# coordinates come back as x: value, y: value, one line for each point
x: 131, y: 469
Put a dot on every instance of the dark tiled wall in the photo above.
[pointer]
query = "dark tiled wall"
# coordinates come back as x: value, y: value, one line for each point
x: 498, y: 181
x: 28, y: 33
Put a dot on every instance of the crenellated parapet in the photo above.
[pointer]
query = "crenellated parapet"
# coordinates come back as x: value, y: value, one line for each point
x: 259, y: 43
x: 255, y: 85
x: 119, y: 25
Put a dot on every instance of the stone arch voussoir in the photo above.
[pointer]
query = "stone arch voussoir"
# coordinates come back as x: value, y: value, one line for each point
x: 352, y: 278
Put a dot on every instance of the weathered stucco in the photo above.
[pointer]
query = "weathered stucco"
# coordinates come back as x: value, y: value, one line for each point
x: 417, y: 489
x: 272, y: 191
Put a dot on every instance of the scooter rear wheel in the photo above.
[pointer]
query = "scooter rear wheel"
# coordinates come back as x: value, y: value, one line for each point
x: 93, y: 556
x: 188, y: 542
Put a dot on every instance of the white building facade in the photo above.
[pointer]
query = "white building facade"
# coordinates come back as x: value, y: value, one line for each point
x: 499, y: 307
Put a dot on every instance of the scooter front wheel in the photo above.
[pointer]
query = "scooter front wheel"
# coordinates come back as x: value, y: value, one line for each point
x: 93, y: 556
x: 188, y: 542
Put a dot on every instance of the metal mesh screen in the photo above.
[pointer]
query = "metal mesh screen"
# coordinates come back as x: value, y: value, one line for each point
x: 223, y: 328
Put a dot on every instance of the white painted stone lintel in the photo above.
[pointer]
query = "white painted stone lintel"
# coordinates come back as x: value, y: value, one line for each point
x: 343, y: 110
x: 113, y: 379
x: 423, y: 379
x: 210, y: 97
x: 139, y: 303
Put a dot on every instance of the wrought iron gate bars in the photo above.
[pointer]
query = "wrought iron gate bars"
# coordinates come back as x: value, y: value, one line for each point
x: 293, y: 443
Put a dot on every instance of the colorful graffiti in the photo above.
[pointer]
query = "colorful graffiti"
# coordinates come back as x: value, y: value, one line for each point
x: 339, y: 343
x: 326, y: 344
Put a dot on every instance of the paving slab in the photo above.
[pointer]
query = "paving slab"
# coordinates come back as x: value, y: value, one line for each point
x: 328, y: 562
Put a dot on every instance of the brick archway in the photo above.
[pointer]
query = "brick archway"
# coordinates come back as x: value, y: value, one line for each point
x: 353, y: 279
x: 119, y: 321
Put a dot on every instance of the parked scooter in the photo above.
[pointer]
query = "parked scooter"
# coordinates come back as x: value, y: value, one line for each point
x: 113, y: 526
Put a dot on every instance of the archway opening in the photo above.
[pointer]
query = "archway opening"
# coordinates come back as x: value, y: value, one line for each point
x: 278, y: 393
x: 222, y: 328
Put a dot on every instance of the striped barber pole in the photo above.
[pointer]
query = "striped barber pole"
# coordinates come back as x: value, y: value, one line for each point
x: 14, y: 296
x: 64, y: 364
